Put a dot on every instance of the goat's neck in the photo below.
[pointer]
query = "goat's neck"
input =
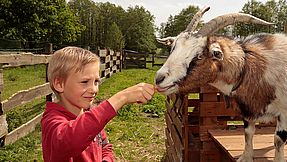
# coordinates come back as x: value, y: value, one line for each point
x: 231, y: 77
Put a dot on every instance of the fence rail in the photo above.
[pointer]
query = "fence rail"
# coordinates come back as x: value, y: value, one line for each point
x: 111, y: 62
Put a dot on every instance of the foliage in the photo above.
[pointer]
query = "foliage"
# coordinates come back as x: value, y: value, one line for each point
x: 108, y: 25
x: 115, y: 38
x: 272, y: 11
x: 176, y: 24
x: 34, y: 21
x: 139, y: 29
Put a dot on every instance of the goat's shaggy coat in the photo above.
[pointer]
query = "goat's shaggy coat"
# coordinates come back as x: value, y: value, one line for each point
x: 253, y: 71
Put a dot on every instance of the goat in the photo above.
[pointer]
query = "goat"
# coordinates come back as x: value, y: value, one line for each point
x: 253, y: 71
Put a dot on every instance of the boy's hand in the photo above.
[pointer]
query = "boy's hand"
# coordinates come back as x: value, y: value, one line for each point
x: 140, y: 93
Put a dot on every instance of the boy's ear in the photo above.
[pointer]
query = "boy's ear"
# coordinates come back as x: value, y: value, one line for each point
x: 58, y: 84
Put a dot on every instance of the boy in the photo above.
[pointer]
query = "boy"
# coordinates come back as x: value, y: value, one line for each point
x: 72, y: 128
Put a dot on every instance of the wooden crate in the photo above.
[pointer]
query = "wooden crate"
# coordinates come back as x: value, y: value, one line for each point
x: 188, y: 120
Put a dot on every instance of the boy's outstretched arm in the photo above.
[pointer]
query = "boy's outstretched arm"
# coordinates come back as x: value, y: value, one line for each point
x: 140, y: 93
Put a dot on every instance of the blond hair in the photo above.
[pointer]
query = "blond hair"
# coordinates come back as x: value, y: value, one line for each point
x: 66, y: 60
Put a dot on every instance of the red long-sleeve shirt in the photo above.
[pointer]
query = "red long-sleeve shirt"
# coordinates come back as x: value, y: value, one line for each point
x: 68, y: 138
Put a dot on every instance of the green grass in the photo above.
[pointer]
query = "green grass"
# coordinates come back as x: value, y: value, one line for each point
x: 135, y: 136
x: 21, y: 78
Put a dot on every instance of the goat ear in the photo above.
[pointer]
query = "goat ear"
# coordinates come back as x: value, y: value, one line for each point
x: 216, y: 51
x: 166, y: 41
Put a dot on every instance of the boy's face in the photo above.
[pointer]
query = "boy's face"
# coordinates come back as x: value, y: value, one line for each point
x: 80, y: 88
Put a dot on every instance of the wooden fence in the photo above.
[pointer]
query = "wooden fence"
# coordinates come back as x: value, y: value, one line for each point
x: 133, y: 59
x: 200, y: 128
x: 110, y: 63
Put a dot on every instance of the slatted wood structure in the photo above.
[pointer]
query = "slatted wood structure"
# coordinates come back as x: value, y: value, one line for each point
x: 111, y: 63
x: 231, y: 144
x: 21, y: 97
x: 190, y: 120
x: 133, y: 59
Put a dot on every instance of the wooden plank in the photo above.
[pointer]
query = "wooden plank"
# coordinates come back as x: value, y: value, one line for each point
x: 168, y: 121
x: 107, y: 71
x: 211, y: 108
x: 112, y: 63
x: 3, y: 126
x: 23, y: 130
x: 118, y: 62
x: 209, y: 155
x: 177, y: 122
x: 106, y: 59
x: 1, y: 80
x: 208, y: 89
x: 193, y: 155
x: 171, y: 148
x: 193, y: 129
x: 26, y: 96
x: 102, y: 67
x: 232, y: 142
x: 103, y: 52
x: 216, y: 109
x: 112, y: 52
x: 137, y: 56
x: 175, y: 136
x: 24, y: 59
x: 208, y: 97
x: 114, y: 67
x: 193, y: 102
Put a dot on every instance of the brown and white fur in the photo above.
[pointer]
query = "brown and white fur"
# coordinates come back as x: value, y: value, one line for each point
x: 252, y: 71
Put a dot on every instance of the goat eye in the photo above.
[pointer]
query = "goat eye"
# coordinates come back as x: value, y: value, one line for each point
x: 217, y: 54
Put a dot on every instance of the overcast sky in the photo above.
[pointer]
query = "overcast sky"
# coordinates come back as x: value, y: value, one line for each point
x: 161, y: 9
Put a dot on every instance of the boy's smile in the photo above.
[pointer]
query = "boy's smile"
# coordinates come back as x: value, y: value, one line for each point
x: 77, y: 92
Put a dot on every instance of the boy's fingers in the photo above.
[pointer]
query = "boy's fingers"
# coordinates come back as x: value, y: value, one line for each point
x: 150, y: 90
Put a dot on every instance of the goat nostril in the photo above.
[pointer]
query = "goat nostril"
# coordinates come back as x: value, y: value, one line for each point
x: 159, y: 79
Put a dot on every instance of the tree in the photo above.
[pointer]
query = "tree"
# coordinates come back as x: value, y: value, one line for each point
x: 271, y: 11
x: 86, y: 11
x: 114, y: 37
x: 108, y: 15
x: 98, y: 18
x: 139, y: 29
x: 33, y: 21
x: 178, y: 23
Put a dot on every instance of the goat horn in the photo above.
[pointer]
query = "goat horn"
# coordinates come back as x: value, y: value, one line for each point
x: 229, y: 19
x: 195, y: 20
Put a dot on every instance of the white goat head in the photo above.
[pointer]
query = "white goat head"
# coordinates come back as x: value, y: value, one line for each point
x: 196, y: 58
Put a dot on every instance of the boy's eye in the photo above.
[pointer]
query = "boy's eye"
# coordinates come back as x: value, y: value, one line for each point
x: 85, y: 81
x: 97, y: 82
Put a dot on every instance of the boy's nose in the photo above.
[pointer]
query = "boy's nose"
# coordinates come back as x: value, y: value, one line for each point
x: 94, y: 88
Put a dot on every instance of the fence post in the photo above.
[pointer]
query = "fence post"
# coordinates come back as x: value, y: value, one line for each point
x: 48, y: 50
x: 3, y: 122
x: 153, y: 54
x: 1, y: 88
x: 121, y: 60
x: 124, y: 60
